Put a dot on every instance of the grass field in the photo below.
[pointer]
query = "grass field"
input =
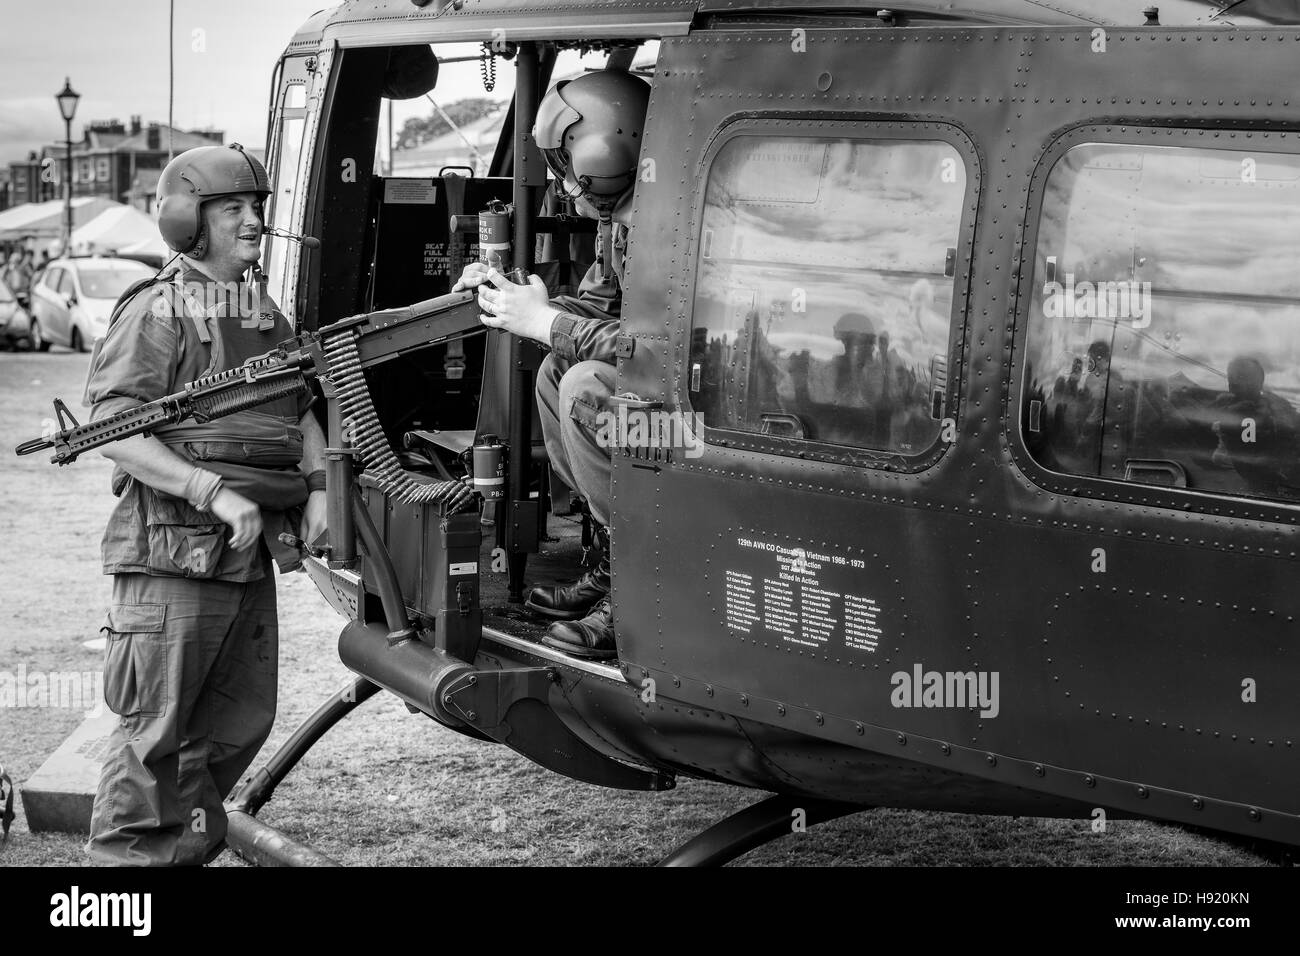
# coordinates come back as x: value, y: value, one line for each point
x: 390, y: 788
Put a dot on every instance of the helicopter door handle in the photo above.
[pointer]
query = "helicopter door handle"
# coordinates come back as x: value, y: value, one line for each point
x: 1155, y: 471
x: 782, y: 424
x: 632, y: 401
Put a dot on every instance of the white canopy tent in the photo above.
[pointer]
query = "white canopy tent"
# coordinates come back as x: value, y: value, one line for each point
x: 45, y: 220
x: 122, y: 230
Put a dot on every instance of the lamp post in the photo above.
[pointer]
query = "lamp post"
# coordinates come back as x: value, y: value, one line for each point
x: 67, y: 99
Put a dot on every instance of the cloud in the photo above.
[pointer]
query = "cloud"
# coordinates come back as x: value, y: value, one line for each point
x: 26, y: 124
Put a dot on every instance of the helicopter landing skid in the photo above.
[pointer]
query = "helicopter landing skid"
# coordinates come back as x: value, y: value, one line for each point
x: 259, y: 843
x: 757, y: 824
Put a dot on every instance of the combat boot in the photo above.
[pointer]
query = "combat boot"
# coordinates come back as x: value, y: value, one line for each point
x: 592, y: 637
x: 568, y: 602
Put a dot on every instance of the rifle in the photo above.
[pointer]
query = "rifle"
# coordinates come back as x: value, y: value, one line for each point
x: 337, y: 353
x: 280, y: 372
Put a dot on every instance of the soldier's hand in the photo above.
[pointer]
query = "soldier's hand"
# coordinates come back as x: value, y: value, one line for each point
x: 474, y: 274
x: 313, y: 518
x: 525, y: 310
x: 244, y: 518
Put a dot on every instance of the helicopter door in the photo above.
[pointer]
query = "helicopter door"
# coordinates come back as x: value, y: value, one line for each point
x: 793, y: 295
x: 295, y: 106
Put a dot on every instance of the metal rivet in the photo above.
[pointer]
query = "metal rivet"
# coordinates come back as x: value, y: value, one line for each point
x: 780, y: 709
x: 902, y: 740
x: 1198, y: 803
x: 1142, y: 792
x: 744, y: 700
x: 1089, y: 780
x: 992, y: 760
x: 677, y: 682
x: 860, y: 729
x: 1255, y: 816
x: 708, y: 689
x: 945, y: 749
x: 1039, y: 770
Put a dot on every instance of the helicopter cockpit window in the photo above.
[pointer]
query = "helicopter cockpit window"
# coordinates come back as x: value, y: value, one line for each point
x: 825, y: 288
x: 1164, y: 332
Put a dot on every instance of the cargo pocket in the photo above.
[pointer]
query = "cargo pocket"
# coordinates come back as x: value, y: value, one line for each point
x: 135, y: 669
x: 183, y: 540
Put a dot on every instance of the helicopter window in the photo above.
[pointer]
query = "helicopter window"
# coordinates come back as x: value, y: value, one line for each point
x: 824, y: 288
x: 1164, y: 332
x: 458, y: 122
x: 285, y: 163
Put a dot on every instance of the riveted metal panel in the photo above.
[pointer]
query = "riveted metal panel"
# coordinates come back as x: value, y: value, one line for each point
x: 1121, y: 687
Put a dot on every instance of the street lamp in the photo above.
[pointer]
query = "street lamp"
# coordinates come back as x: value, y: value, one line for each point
x: 67, y: 100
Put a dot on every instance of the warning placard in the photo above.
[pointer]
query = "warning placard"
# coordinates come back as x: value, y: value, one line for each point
x: 410, y: 192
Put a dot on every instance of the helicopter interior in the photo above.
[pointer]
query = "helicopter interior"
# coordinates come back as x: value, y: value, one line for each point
x: 433, y: 402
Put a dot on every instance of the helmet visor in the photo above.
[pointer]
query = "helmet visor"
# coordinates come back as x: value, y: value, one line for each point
x: 557, y: 161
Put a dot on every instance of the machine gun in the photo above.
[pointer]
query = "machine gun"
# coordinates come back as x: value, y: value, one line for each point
x: 337, y: 354
x: 279, y: 373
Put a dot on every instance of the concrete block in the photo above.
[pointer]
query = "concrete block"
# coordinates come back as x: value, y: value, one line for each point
x: 59, y: 796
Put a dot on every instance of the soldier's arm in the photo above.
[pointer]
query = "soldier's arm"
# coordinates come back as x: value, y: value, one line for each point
x: 313, y: 459
x: 587, y: 325
x: 148, y: 460
x: 313, y: 444
x: 580, y: 339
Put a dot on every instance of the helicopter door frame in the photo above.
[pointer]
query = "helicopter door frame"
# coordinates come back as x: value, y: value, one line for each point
x: 298, y: 83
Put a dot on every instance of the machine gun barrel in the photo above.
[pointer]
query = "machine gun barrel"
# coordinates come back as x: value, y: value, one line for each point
x: 268, y: 377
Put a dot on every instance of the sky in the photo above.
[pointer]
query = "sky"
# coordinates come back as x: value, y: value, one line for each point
x: 115, y: 53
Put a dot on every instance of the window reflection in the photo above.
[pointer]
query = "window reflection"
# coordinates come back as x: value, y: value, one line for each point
x: 1196, y: 384
x: 824, y: 288
x: 286, y: 185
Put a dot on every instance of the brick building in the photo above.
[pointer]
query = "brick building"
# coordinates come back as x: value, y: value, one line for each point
x: 110, y: 161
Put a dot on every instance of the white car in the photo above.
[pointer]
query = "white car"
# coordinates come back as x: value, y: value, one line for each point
x: 74, y: 298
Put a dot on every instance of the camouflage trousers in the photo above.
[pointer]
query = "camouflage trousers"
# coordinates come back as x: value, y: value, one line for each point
x: 569, y: 399
x: 191, y: 670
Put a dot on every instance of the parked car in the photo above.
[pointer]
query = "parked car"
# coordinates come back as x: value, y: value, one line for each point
x: 74, y: 298
x: 15, y: 320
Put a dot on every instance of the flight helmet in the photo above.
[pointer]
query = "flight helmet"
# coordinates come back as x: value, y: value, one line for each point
x: 589, y: 130
x: 197, y: 176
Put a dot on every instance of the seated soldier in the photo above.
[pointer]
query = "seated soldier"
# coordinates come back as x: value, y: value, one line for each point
x: 1256, y: 430
x: 589, y: 130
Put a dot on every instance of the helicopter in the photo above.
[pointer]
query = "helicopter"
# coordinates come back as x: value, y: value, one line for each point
x: 976, y: 315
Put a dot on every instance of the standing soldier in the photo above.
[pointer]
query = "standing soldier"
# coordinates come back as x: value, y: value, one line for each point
x: 192, y: 631
x: 589, y: 130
